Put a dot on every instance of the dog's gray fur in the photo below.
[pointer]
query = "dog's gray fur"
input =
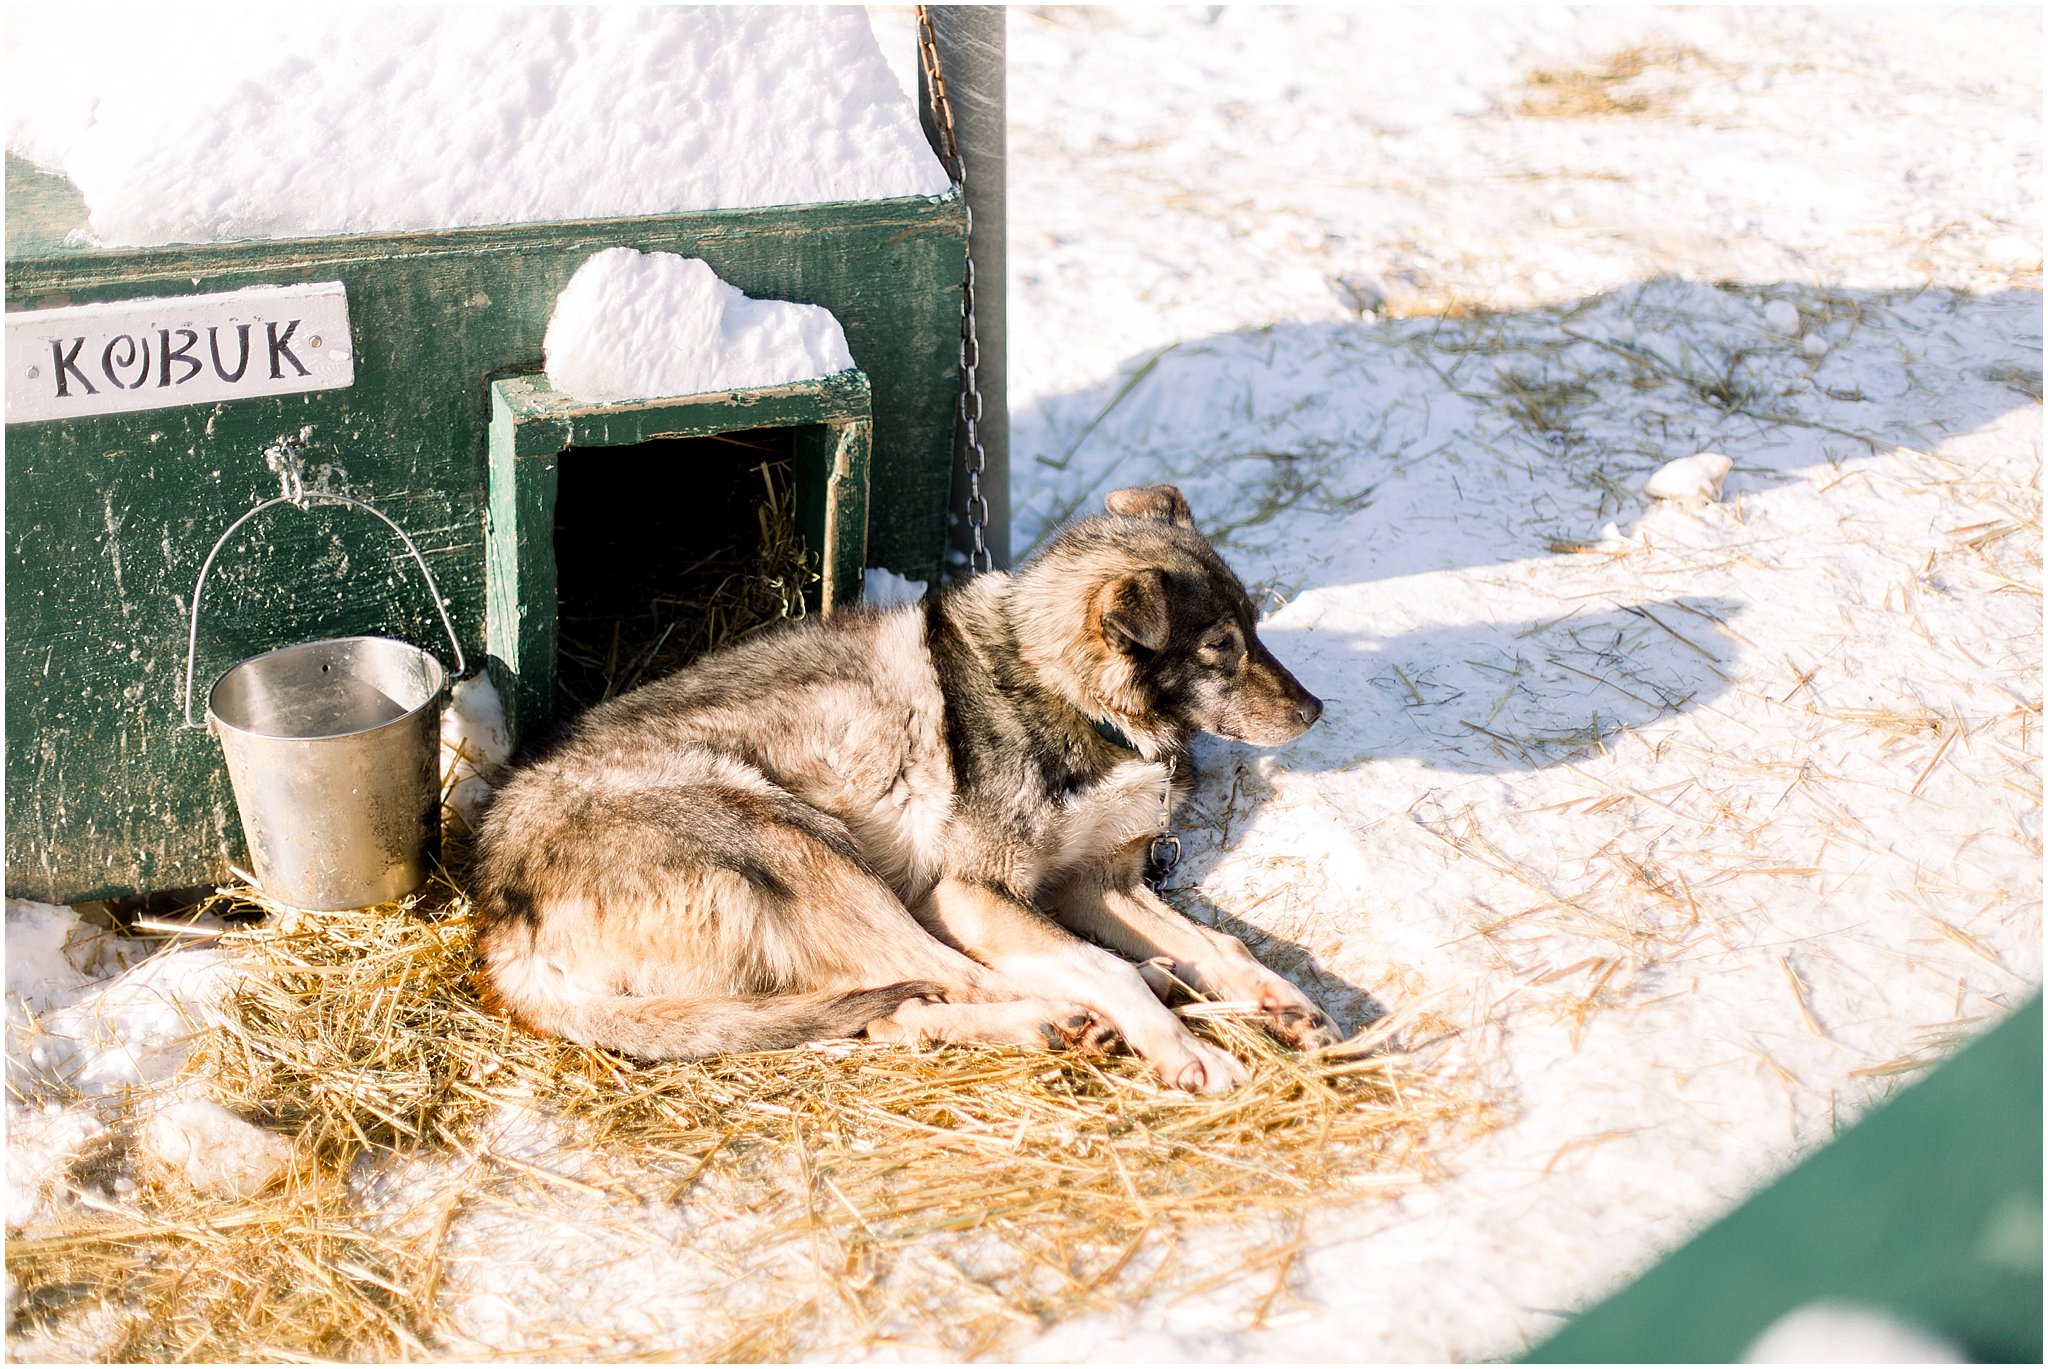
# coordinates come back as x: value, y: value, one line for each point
x: 898, y: 821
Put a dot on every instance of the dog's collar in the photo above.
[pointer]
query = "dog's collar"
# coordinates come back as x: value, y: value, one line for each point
x: 1114, y: 735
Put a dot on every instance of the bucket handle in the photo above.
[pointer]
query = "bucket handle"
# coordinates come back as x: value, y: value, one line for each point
x: 300, y: 500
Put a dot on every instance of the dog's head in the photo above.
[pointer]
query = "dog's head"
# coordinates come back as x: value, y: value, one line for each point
x: 1137, y: 620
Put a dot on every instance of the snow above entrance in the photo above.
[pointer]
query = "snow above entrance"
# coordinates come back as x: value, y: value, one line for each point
x: 204, y: 124
x: 641, y: 325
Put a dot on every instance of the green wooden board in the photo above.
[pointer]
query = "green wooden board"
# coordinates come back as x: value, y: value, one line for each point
x: 108, y: 518
x: 532, y: 425
x: 1929, y: 1209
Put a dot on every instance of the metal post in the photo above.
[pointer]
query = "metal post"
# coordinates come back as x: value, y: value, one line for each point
x: 970, y: 44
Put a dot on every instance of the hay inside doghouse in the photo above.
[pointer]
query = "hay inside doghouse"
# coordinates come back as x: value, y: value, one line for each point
x: 858, y: 1193
x: 704, y: 553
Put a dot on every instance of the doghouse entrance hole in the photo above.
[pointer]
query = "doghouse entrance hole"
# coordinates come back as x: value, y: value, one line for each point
x: 666, y: 549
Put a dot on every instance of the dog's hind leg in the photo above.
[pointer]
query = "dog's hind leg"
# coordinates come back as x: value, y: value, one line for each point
x: 1040, y: 957
x: 1113, y: 905
x: 1029, y: 1022
x: 706, y: 913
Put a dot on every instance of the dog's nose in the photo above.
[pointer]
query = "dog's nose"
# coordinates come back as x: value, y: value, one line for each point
x: 1308, y: 710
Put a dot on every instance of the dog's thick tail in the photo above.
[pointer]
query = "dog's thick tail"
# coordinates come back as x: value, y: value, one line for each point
x: 692, y: 1028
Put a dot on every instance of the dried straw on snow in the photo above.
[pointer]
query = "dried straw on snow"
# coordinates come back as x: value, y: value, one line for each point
x: 856, y: 1193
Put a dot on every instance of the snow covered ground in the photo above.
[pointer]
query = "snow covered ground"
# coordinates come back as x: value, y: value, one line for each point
x: 1713, y: 824
x: 1715, y: 828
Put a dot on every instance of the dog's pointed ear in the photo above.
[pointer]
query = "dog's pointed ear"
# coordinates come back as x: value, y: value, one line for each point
x: 1164, y: 502
x: 1132, y: 610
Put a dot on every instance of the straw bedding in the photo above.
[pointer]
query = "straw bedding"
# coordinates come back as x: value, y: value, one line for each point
x: 844, y: 1194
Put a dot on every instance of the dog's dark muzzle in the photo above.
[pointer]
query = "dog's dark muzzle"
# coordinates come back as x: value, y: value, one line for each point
x: 1308, y: 710
x: 1283, y: 711
x: 1296, y: 718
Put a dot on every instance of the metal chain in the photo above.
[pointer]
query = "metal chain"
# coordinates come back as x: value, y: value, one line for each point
x: 1164, y: 853
x: 980, y: 559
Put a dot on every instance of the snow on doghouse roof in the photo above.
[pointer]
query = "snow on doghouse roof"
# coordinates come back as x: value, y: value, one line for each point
x: 632, y: 325
x: 196, y: 125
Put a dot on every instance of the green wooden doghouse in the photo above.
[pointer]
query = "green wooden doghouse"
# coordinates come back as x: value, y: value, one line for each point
x: 434, y: 412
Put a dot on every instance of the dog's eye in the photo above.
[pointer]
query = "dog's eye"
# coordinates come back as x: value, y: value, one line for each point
x: 1219, y: 642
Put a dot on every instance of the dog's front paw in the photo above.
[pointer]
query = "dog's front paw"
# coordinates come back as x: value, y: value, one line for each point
x: 1162, y: 976
x: 1202, y: 1068
x: 1072, y: 1027
x: 1293, y: 1017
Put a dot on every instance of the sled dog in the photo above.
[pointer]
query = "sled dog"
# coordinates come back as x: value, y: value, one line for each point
x: 925, y: 823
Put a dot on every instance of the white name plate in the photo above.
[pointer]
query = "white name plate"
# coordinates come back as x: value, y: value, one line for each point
x: 128, y: 355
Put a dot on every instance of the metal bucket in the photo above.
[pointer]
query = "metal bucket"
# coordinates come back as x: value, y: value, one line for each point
x: 333, y: 748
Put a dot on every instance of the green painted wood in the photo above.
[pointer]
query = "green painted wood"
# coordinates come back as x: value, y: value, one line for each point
x: 109, y: 517
x: 533, y: 424
x: 558, y: 420
x: 832, y: 475
x: 1929, y: 1208
x: 519, y: 629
